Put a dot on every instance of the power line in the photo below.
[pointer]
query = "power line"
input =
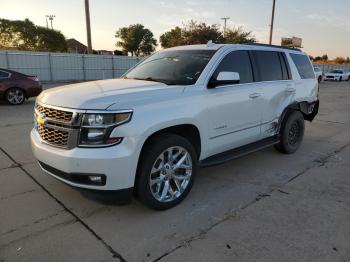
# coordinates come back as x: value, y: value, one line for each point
x: 225, y: 23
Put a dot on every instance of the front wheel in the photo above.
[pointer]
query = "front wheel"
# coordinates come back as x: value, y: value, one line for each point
x: 15, y: 96
x: 340, y: 79
x: 320, y: 79
x: 348, y: 79
x: 166, y: 172
x: 291, y: 133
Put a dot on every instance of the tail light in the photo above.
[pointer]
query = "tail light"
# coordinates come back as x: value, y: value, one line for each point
x: 34, y: 78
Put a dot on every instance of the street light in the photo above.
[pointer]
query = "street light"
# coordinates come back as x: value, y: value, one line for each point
x: 272, y: 20
x: 50, y: 17
x: 225, y: 22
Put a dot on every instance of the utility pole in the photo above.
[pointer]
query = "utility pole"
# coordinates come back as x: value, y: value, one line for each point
x: 88, y: 27
x: 50, y: 17
x: 272, y: 20
x: 225, y: 23
x: 47, y: 24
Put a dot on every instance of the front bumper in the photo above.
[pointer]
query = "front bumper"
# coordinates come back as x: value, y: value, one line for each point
x: 117, y: 163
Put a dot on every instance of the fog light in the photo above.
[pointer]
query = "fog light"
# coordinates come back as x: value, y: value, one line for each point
x: 95, y: 179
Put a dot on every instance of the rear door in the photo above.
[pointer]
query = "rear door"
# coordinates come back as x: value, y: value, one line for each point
x: 274, y: 79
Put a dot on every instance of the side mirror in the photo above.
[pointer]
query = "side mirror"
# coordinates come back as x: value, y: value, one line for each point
x: 224, y: 78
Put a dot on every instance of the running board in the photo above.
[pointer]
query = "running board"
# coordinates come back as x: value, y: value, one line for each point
x: 239, y: 152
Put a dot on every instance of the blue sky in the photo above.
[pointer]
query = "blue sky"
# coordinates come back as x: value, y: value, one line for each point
x: 324, y: 25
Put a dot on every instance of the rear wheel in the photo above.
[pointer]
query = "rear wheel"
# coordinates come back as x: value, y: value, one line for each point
x: 292, y: 133
x: 319, y: 79
x: 166, y: 171
x: 15, y: 96
x: 348, y: 79
x: 340, y: 79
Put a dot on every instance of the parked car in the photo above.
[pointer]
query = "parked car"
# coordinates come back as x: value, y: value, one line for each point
x: 15, y: 87
x: 180, y: 109
x: 337, y: 75
x: 318, y: 73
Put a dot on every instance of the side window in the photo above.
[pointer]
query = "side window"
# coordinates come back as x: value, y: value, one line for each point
x: 4, y: 74
x: 303, y: 65
x: 237, y: 61
x: 269, y: 65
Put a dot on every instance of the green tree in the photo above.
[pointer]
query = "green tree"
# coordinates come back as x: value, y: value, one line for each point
x: 324, y: 57
x: 136, y: 40
x: 25, y: 35
x: 237, y: 35
x: 340, y: 60
x: 200, y: 33
x: 172, y: 38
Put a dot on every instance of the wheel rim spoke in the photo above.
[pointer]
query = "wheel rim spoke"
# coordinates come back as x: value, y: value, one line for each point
x: 170, y: 174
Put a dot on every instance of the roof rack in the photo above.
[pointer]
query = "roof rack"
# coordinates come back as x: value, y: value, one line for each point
x: 275, y: 46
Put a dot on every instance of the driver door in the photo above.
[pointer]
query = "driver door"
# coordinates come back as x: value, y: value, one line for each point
x: 235, y: 110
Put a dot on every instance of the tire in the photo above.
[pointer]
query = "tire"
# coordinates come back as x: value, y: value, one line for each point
x: 15, y: 96
x: 340, y: 79
x: 162, y: 188
x: 291, y: 133
x: 348, y: 79
x: 319, y: 79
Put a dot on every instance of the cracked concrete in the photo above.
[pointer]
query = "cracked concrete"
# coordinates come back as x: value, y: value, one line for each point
x: 263, y: 207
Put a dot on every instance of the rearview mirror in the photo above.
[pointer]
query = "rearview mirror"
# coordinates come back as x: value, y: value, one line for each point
x: 224, y: 78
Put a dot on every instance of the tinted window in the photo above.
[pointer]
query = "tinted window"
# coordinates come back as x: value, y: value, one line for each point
x: 179, y: 67
x: 4, y: 74
x: 268, y: 65
x: 303, y: 65
x: 237, y: 61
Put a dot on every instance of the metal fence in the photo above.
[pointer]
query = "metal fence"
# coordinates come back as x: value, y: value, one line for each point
x: 65, y: 66
x: 328, y: 68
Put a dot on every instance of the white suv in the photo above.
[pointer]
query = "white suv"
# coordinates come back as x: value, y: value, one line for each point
x: 179, y: 109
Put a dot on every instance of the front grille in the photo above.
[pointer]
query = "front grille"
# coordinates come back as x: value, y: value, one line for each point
x: 55, y: 114
x: 54, y: 136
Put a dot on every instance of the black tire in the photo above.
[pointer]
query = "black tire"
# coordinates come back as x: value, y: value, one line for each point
x: 150, y: 154
x: 291, y: 133
x: 340, y: 79
x: 15, y: 96
x: 348, y: 79
x: 319, y: 79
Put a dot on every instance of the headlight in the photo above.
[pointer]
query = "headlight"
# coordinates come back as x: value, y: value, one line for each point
x: 96, y: 128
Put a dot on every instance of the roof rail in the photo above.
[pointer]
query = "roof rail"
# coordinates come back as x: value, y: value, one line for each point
x: 275, y: 46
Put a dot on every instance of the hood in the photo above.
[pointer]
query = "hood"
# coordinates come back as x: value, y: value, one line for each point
x: 99, y: 95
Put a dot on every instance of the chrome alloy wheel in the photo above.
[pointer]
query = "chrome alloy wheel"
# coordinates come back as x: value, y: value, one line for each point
x: 15, y: 96
x: 171, y: 174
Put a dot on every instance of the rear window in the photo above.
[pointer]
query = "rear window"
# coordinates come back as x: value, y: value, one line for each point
x: 269, y: 66
x: 303, y: 65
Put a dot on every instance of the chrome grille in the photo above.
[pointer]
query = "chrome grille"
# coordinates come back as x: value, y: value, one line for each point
x: 54, y: 136
x: 55, y: 114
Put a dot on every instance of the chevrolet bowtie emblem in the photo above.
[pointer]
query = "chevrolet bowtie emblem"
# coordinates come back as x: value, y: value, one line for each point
x: 40, y: 119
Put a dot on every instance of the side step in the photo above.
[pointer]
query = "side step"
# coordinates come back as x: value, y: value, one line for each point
x: 239, y: 152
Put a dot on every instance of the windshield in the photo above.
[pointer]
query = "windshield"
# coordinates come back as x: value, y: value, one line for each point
x: 178, y: 67
x: 337, y: 71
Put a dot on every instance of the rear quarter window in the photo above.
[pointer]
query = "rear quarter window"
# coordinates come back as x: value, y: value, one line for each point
x: 4, y: 74
x: 303, y: 65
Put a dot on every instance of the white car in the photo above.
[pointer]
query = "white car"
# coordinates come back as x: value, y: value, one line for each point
x: 318, y: 73
x: 337, y: 75
x: 180, y: 109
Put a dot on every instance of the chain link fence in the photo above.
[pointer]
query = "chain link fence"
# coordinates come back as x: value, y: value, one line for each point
x: 327, y: 68
x: 64, y: 67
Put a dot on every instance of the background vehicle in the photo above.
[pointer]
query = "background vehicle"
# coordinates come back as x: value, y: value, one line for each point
x: 318, y: 73
x: 337, y: 75
x: 15, y: 87
x: 179, y: 109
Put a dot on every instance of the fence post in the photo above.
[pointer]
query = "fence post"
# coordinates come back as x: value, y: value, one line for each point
x: 84, y: 66
x: 113, y: 73
x: 7, y: 60
x: 50, y: 67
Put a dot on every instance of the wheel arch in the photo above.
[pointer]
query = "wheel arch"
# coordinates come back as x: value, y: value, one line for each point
x: 24, y: 91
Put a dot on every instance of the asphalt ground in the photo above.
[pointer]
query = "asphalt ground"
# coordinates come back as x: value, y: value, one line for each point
x: 263, y: 207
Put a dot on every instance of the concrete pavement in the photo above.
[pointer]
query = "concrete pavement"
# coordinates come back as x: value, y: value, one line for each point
x: 263, y: 207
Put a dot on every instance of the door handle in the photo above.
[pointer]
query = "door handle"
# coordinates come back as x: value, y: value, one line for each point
x: 290, y: 90
x: 254, y: 95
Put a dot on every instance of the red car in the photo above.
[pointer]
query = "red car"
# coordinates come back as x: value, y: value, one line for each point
x: 16, y: 87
